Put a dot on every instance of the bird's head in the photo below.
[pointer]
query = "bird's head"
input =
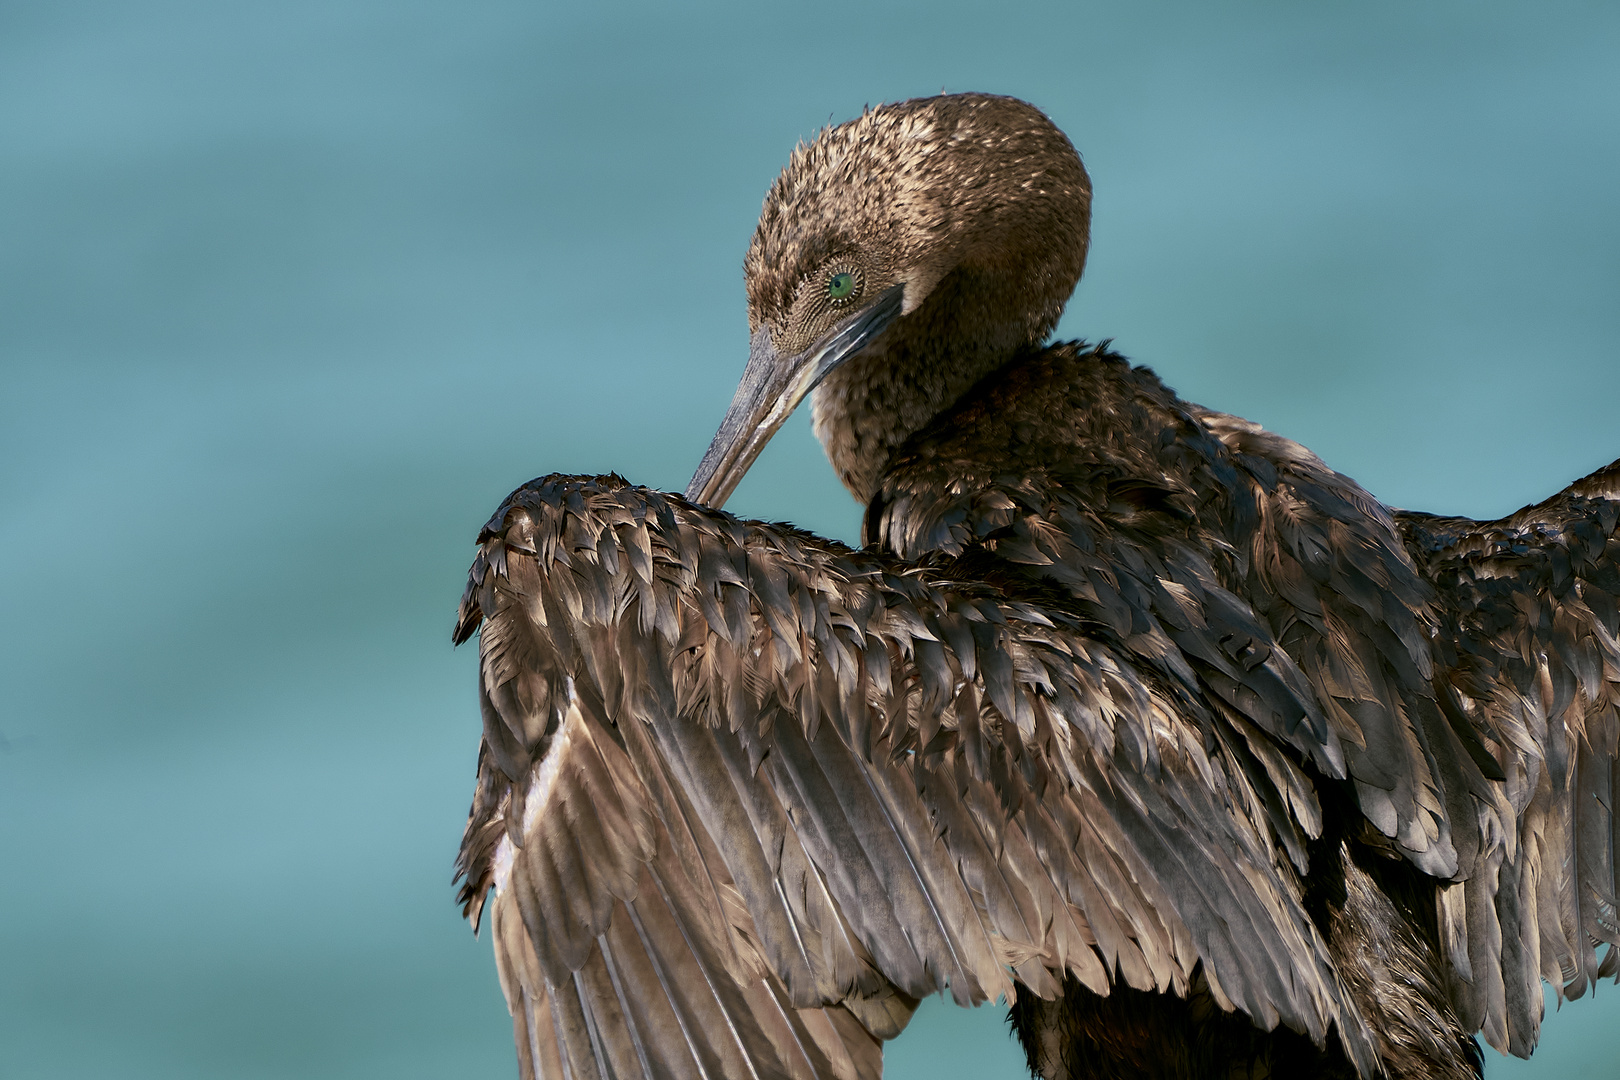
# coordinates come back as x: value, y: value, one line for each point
x: 953, y: 226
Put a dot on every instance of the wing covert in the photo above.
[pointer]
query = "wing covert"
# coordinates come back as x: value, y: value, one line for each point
x: 818, y: 784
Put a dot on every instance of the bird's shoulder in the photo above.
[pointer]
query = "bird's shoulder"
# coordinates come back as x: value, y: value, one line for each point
x: 1071, y: 424
x: 1077, y: 431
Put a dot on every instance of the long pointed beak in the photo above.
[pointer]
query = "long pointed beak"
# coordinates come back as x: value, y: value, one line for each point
x: 772, y: 387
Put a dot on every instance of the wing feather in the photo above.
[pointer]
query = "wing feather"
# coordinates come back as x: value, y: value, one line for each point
x: 769, y: 791
x: 1527, y: 659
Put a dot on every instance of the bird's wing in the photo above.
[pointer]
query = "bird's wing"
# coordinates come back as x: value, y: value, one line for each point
x: 1527, y: 654
x: 746, y: 794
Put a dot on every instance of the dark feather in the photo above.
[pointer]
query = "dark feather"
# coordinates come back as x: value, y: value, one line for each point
x: 1131, y: 711
x: 906, y: 874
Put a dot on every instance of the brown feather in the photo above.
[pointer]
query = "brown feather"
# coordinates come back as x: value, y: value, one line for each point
x: 1130, y: 708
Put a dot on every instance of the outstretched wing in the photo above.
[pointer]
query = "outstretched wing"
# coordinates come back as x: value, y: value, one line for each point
x: 746, y: 795
x: 1527, y: 654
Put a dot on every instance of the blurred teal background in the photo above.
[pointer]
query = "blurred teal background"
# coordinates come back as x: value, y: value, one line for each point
x: 291, y: 294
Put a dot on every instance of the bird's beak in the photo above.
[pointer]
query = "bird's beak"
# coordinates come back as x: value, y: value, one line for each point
x: 772, y: 387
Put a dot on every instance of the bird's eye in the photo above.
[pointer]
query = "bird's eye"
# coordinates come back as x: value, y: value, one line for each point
x: 843, y: 285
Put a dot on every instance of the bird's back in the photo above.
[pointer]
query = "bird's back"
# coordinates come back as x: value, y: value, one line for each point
x: 1447, y: 684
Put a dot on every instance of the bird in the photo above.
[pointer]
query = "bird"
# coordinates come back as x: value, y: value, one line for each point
x: 1127, y: 712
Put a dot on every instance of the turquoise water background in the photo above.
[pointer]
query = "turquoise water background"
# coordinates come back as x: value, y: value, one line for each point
x: 291, y: 294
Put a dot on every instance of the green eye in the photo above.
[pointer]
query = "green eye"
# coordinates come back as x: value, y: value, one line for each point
x: 841, y: 286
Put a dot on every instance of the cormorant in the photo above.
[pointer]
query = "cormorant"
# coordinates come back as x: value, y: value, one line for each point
x: 1130, y: 711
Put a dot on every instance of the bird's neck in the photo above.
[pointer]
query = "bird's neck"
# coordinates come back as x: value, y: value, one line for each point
x: 866, y: 408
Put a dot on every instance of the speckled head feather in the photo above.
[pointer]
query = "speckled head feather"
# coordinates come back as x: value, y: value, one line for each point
x: 977, y: 204
x: 920, y: 188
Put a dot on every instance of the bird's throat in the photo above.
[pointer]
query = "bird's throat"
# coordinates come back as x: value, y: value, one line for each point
x: 869, y: 406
